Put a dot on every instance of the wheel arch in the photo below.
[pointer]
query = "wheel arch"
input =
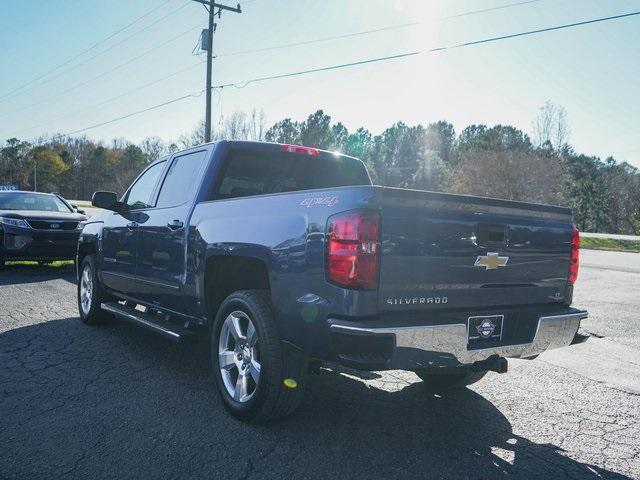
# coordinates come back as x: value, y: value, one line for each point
x: 225, y: 274
x: 85, y: 247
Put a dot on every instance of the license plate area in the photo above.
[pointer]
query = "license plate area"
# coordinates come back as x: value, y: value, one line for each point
x: 484, y: 331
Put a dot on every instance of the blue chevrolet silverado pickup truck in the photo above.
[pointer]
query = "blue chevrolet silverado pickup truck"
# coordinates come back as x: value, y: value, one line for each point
x: 286, y: 257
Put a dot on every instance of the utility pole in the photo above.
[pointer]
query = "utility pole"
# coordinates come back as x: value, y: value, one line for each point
x: 209, y: 48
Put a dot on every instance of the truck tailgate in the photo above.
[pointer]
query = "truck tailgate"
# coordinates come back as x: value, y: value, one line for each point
x: 442, y: 251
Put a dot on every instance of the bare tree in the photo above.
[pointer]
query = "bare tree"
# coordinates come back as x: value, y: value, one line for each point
x: 257, y: 123
x: 194, y: 137
x: 551, y: 126
x: 240, y: 126
x: 237, y: 126
x: 153, y: 148
x: 120, y: 143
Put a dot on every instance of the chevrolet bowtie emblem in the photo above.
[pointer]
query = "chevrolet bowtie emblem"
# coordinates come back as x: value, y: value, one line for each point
x: 491, y: 261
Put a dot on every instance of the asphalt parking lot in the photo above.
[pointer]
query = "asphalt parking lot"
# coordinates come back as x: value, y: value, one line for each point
x: 118, y: 402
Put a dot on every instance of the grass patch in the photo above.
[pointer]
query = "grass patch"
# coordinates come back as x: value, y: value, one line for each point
x: 55, y: 264
x: 611, y: 244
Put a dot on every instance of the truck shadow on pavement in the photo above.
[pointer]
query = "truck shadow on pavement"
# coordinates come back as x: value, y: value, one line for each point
x: 25, y: 273
x: 118, y: 402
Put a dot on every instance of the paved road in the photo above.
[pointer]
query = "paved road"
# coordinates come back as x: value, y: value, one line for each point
x: 118, y: 402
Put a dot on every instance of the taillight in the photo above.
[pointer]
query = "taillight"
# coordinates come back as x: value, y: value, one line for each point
x: 352, y: 249
x: 299, y: 149
x: 574, y: 262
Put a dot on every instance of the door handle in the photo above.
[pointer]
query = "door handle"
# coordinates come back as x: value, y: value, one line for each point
x: 132, y: 225
x: 175, y: 225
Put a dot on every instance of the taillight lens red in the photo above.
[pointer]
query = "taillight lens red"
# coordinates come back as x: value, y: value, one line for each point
x: 574, y: 262
x: 352, y: 249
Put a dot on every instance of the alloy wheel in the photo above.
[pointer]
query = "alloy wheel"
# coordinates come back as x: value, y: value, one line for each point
x: 239, y: 356
x: 86, y: 289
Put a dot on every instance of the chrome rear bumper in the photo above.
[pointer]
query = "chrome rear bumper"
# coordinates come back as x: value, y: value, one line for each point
x: 436, y: 346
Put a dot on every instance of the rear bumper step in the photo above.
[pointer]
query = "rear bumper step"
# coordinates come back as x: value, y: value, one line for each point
x: 169, y: 330
x: 441, y: 346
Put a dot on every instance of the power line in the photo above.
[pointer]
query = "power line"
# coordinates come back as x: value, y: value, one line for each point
x: 484, y: 10
x: 348, y: 35
x: 9, y: 94
x: 121, y: 95
x: 317, y: 40
x: 221, y: 86
x: 101, y: 75
x: 100, y: 42
x: 367, y: 32
x: 73, y: 67
x: 533, y: 32
x: 168, y: 102
x: 466, y: 44
x: 362, y: 62
x: 313, y: 70
x: 191, y: 67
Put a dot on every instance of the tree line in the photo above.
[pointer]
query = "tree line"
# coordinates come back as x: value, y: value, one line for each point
x: 497, y: 161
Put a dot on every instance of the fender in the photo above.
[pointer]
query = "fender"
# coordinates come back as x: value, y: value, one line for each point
x: 89, y: 241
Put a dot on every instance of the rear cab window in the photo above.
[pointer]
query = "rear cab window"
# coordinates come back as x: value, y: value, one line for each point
x: 251, y: 172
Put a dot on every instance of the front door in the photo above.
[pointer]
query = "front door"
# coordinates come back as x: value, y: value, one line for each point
x: 119, y: 252
x: 120, y: 233
x: 161, y: 259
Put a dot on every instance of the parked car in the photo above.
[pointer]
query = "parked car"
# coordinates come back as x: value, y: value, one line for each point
x: 284, y: 257
x: 38, y: 226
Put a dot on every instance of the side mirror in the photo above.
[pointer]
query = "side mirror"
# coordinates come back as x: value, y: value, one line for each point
x: 77, y: 209
x: 106, y: 200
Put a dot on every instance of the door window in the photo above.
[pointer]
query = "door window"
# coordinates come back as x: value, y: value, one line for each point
x: 181, y: 179
x: 139, y: 195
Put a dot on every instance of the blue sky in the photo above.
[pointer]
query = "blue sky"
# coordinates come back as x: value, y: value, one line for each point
x: 593, y: 71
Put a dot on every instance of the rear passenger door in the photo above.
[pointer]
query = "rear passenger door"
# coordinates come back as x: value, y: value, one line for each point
x: 162, y: 237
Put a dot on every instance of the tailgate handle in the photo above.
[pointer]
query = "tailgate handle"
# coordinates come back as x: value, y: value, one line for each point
x: 489, y: 234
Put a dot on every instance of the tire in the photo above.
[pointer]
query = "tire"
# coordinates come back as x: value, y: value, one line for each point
x: 281, y: 373
x: 90, y: 311
x: 449, y: 381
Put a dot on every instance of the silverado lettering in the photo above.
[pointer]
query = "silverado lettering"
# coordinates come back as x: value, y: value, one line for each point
x: 416, y: 300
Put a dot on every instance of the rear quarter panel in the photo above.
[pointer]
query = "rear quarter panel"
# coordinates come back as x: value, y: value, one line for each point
x: 287, y: 232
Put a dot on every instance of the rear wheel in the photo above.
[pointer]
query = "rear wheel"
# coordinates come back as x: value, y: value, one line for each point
x: 90, y: 294
x: 257, y: 379
x: 449, y: 381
